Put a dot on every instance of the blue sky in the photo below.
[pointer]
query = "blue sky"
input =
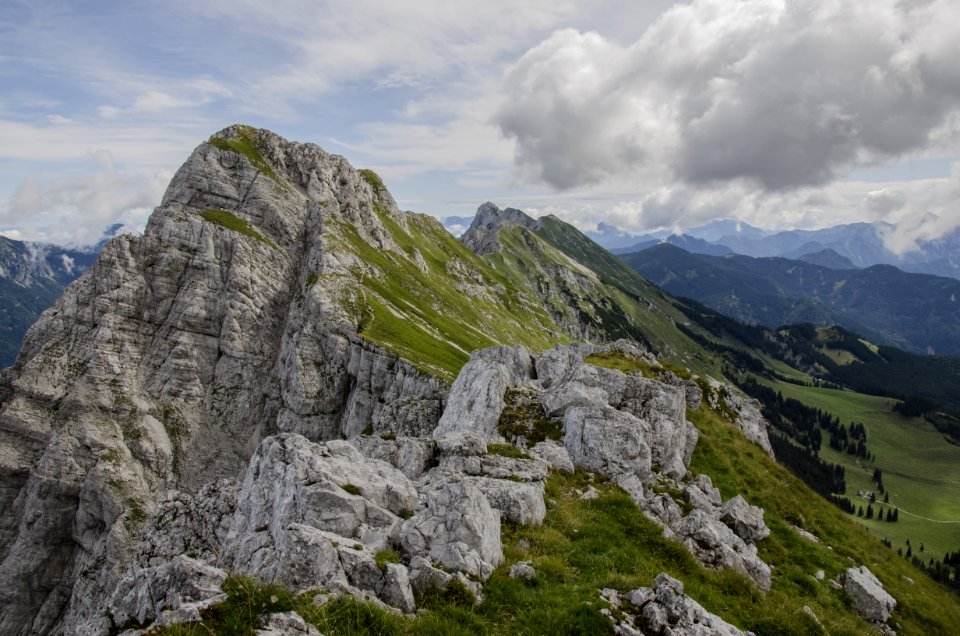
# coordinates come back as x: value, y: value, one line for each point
x: 643, y: 115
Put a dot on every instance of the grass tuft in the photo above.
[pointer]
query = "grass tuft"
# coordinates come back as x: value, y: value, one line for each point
x: 506, y: 450
x: 231, y: 221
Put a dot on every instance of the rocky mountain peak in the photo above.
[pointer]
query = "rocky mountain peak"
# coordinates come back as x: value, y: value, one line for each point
x: 481, y: 236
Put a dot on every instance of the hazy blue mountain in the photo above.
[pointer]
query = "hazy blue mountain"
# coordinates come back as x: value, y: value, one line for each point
x: 916, y: 312
x: 683, y: 241
x: 32, y: 277
x: 827, y: 258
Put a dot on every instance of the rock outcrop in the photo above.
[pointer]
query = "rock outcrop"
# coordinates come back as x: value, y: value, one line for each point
x: 869, y: 598
x: 662, y: 610
x: 176, y: 353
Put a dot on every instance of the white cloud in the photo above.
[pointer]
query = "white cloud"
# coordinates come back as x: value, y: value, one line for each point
x: 76, y: 210
x: 778, y: 94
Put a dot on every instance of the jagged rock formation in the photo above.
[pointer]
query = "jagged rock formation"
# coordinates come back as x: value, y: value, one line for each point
x: 172, y: 357
x: 662, y: 610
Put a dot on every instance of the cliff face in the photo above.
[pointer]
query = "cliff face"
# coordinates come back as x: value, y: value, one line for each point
x: 170, y: 359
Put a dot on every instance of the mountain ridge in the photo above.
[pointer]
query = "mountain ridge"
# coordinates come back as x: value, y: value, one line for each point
x: 917, y: 312
x: 290, y: 378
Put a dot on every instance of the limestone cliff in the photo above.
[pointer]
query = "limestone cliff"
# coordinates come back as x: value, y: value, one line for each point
x: 235, y: 316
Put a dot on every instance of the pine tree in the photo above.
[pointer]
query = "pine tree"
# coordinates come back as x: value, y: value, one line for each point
x: 860, y: 512
x: 870, y: 513
x: 889, y: 515
x: 886, y: 497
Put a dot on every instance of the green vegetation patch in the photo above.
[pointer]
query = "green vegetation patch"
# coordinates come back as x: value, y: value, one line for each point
x: 428, y: 317
x: 374, y: 180
x: 739, y: 467
x: 232, y: 222
x: 523, y: 416
x: 245, y: 143
x: 921, y: 471
x: 506, y: 450
x: 383, y: 557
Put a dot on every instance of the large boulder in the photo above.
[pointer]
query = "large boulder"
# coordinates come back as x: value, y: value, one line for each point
x: 477, y: 396
x: 716, y: 545
x: 175, y: 591
x: 554, y: 454
x: 745, y: 520
x: 672, y: 438
x: 518, y: 502
x: 457, y: 529
x: 866, y: 591
x: 607, y: 441
x: 313, y: 516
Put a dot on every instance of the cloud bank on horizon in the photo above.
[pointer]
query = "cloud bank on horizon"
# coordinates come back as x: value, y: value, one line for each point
x: 783, y: 114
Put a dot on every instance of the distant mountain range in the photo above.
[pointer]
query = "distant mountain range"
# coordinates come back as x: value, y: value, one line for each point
x: 916, y: 312
x: 32, y: 277
x: 858, y: 245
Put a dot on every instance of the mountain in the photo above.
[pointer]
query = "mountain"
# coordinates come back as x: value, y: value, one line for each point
x: 291, y: 403
x: 32, y: 277
x: 826, y: 258
x: 916, y: 312
x: 683, y: 241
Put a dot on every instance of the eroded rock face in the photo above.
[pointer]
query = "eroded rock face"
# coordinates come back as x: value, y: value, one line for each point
x: 174, y: 592
x: 457, y: 528
x: 477, y: 396
x: 175, y: 354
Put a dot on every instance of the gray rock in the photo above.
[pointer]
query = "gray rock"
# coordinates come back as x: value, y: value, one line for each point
x: 513, y: 468
x: 523, y: 570
x: 518, y: 502
x: 745, y: 520
x: 748, y: 418
x: 195, y: 525
x: 663, y: 610
x: 175, y: 591
x: 413, y: 456
x: 311, y: 515
x: 607, y: 441
x: 477, y: 396
x: 556, y: 364
x: 457, y: 529
x: 663, y: 407
x: 869, y: 598
x: 286, y: 624
x: 166, y: 363
x: 462, y: 444
x: 554, y: 454
x: 584, y: 385
x: 702, y: 494
x: 715, y: 544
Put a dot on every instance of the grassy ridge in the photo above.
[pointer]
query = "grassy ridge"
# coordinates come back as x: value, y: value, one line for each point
x: 920, y: 470
x: 422, y: 313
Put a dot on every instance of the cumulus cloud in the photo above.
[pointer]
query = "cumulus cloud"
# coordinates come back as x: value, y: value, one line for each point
x: 777, y: 94
x: 76, y: 210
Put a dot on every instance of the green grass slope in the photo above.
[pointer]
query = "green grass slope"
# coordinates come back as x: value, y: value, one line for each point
x: 580, y: 280
x: 921, y: 471
x: 435, y: 310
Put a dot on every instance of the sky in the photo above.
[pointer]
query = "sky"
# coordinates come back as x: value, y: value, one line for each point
x: 639, y: 115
